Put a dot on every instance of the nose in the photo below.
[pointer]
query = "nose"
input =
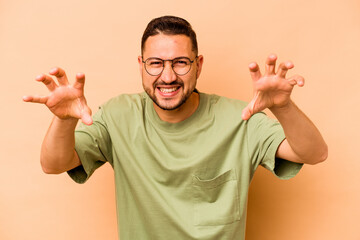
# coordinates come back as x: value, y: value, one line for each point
x: 168, y: 75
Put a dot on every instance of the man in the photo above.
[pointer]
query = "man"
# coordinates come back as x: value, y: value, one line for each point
x: 183, y: 160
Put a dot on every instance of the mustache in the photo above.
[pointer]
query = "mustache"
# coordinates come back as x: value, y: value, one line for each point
x: 175, y: 82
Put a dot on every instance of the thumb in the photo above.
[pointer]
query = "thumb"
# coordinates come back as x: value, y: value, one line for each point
x: 86, y: 117
x: 247, y: 111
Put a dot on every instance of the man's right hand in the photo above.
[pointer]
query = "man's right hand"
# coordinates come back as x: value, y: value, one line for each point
x: 64, y: 100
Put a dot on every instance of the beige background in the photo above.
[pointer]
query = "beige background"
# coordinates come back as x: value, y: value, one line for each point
x: 102, y: 39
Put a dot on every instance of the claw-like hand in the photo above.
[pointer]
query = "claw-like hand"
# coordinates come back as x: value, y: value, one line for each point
x: 64, y: 100
x: 271, y: 90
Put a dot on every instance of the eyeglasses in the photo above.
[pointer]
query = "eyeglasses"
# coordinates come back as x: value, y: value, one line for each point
x: 180, y: 65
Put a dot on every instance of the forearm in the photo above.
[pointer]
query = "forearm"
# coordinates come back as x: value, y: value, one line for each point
x: 58, y: 148
x: 304, y: 142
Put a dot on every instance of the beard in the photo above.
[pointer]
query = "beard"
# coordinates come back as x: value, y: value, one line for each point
x: 168, y: 106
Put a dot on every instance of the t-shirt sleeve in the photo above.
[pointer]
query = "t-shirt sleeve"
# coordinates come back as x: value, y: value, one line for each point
x: 264, y: 136
x: 93, y: 146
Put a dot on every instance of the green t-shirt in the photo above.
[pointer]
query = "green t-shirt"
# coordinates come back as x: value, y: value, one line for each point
x: 186, y: 180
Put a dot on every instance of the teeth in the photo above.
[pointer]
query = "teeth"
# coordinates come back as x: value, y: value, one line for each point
x: 168, y: 90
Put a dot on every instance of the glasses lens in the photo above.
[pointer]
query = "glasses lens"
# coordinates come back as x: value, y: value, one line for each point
x: 154, y: 66
x: 181, y: 66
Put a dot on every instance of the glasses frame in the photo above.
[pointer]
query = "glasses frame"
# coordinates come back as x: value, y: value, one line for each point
x: 172, y: 64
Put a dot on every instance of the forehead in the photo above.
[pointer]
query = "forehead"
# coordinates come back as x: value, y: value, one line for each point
x: 168, y: 46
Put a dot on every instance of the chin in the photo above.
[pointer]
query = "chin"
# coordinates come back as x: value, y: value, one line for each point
x: 168, y: 106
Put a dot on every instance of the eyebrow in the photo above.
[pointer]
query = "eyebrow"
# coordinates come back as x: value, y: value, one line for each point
x: 168, y: 58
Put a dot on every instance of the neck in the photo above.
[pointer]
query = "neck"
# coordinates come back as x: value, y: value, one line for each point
x: 181, y: 113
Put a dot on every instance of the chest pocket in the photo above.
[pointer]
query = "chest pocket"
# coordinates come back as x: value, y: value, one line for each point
x: 216, y: 200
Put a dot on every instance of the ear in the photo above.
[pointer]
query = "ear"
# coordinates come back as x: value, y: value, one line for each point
x: 140, y: 64
x: 199, y: 63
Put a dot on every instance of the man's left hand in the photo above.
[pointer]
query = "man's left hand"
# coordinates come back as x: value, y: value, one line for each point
x: 271, y: 90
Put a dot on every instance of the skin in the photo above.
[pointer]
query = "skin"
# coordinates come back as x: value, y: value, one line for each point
x: 182, y: 103
x: 68, y: 104
x: 272, y: 90
x: 303, y: 143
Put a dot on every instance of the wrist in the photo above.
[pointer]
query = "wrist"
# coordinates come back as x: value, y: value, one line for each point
x: 283, y: 109
x: 66, y: 122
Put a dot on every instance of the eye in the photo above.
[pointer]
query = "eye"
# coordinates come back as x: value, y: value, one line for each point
x: 181, y: 62
x: 154, y: 62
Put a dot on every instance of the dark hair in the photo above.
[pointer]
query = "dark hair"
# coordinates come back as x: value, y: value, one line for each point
x: 170, y: 25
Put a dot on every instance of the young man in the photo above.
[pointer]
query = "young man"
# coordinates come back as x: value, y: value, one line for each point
x: 183, y: 160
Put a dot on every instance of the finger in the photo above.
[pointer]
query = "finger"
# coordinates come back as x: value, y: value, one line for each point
x: 249, y: 110
x: 86, y: 119
x: 35, y: 99
x: 270, y: 65
x: 283, y: 68
x: 80, y: 81
x: 86, y: 115
x: 48, y: 81
x: 60, y: 76
x: 297, y: 80
x: 254, y: 71
x: 246, y: 113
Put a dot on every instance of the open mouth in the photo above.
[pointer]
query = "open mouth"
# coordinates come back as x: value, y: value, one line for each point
x: 168, y: 91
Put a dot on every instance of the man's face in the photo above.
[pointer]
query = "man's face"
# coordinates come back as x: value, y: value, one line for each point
x: 168, y: 90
